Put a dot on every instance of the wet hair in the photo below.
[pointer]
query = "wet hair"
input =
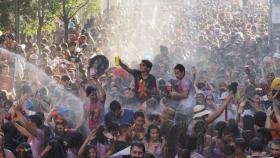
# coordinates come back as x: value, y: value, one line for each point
x: 43, y: 91
x: 37, y: 120
x: 229, y: 151
x: 256, y: 144
x: 90, y: 89
x: 260, y: 118
x: 88, y: 147
x: 115, y: 105
x: 138, y: 114
x: 224, y: 131
x: 65, y: 78
x: 100, y: 137
x: 75, y: 140
x: 265, y: 134
x: 112, y: 127
x: 41, y: 115
x: 180, y: 67
x: 148, y: 136
x: 147, y: 63
x: 219, y: 125
x: 24, y: 151
x: 57, y: 150
x: 139, y: 145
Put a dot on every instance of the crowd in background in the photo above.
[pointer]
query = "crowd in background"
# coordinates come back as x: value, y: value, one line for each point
x: 212, y: 90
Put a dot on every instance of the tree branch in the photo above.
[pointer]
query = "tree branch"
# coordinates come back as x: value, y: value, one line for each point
x: 78, y: 8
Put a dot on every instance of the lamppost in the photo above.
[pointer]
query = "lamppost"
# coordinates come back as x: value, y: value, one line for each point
x: 17, y: 20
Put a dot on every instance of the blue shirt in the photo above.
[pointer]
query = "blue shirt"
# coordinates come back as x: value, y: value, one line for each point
x: 126, y: 118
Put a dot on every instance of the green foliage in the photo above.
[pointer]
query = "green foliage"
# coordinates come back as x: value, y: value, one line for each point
x: 93, y: 8
x: 29, y: 15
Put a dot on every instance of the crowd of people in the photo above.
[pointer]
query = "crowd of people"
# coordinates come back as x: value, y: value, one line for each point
x: 212, y: 90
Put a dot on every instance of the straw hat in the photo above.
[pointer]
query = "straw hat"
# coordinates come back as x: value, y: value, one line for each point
x: 199, y: 111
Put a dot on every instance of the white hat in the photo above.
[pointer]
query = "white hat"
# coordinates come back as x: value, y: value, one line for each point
x: 199, y: 111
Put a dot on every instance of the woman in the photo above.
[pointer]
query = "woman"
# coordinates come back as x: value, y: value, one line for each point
x: 100, y: 142
x: 90, y: 152
x: 54, y: 149
x: 24, y: 151
x: 153, y: 142
x: 209, y: 102
x: 5, y: 153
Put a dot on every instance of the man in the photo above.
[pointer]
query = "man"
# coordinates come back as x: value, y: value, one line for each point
x: 118, y: 115
x: 137, y: 150
x: 94, y: 108
x: 138, y: 130
x: 145, y: 83
x: 256, y: 147
x: 68, y: 85
x: 275, y: 148
x: 184, y: 98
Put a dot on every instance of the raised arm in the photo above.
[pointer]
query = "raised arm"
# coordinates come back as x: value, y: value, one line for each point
x: 91, y: 136
x: 211, y: 118
x: 125, y: 67
x: 22, y: 130
x: 26, y: 124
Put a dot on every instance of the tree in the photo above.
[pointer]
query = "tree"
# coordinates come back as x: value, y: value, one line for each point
x: 69, y: 9
x: 46, y: 12
x: 7, y: 13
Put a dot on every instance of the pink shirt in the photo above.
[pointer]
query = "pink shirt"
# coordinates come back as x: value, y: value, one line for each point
x: 94, y: 113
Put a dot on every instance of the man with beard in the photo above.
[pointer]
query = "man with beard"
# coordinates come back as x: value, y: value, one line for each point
x: 145, y: 83
x: 137, y: 150
x: 275, y: 148
x: 61, y: 130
